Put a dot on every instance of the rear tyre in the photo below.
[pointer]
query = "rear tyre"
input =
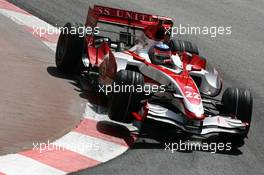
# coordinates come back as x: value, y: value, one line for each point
x: 238, y: 103
x: 122, y: 103
x: 183, y: 46
x: 69, y: 50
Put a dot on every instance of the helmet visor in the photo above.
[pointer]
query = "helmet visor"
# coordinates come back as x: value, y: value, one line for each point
x: 162, y: 57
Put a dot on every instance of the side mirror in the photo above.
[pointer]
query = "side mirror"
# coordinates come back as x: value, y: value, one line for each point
x: 190, y: 67
x: 196, y: 68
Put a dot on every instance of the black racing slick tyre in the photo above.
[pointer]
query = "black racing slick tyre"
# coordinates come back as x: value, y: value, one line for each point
x: 238, y: 103
x: 183, y: 46
x: 69, y: 50
x: 126, y: 101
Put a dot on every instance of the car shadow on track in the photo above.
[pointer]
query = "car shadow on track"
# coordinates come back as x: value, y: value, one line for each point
x: 73, y: 80
x: 53, y: 71
x: 84, y: 90
x: 156, y: 135
x: 117, y: 131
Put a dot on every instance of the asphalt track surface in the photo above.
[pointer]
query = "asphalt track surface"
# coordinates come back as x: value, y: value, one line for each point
x: 239, y: 58
x: 35, y: 104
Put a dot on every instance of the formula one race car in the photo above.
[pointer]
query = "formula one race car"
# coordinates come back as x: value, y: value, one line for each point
x: 148, y: 74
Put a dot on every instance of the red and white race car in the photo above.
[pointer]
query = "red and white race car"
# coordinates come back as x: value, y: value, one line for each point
x: 147, y: 74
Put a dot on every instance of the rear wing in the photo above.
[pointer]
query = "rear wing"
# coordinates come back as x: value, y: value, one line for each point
x: 123, y: 17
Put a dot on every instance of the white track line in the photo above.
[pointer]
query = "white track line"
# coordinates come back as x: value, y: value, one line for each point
x: 50, y: 45
x: 34, y: 23
x: 15, y: 164
x: 90, y: 147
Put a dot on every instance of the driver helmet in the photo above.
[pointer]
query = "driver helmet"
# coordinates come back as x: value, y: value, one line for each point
x: 159, y: 53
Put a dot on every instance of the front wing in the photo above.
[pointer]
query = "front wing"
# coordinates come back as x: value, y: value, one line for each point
x: 209, y: 125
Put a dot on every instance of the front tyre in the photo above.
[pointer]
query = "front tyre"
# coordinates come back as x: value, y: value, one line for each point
x: 238, y: 104
x: 69, y: 50
x: 125, y: 101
